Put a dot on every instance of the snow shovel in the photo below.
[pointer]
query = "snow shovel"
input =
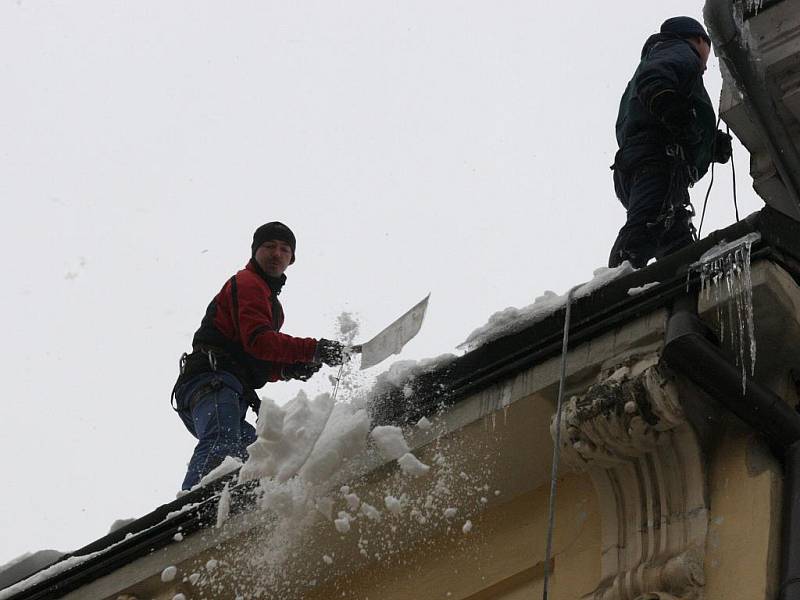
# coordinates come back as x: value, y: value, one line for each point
x: 392, y: 339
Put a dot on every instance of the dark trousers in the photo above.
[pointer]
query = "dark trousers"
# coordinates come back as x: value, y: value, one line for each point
x: 645, y: 192
x: 213, y: 408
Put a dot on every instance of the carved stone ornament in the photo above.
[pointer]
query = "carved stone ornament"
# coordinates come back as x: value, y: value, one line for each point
x: 630, y: 433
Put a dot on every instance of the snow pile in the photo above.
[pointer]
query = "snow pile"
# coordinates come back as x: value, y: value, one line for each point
x: 511, y: 320
x: 286, y: 436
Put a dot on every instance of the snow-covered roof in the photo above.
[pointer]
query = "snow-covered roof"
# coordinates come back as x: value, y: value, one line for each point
x: 410, y: 395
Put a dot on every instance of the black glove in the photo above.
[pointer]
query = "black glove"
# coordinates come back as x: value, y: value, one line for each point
x: 329, y: 352
x: 723, y: 148
x: 301, y: 371
x: 674, y: 110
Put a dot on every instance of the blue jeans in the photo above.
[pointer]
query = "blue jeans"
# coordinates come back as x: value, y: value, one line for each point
x: 213, y: 408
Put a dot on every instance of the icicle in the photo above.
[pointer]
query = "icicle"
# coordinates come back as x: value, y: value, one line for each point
x: 728, y: 265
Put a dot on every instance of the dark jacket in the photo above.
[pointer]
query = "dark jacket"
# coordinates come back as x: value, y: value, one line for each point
x: 242, y: 325
x: 668, y: 63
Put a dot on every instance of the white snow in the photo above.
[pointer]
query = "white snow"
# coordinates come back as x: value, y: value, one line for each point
x: 179, y: 596
x: 348, y: 327
x: 635, y: 291
x: 342, y: 524
x: 450, y: 513
x: 353, y: 501
x: 511, y: 320
x: 393, y: 505
x: 328, y: 560
x: 369, y: 511
x: 212, y: 564
x: 223, y: 506
x: 229, y: 465
x: 467, y: 526
x: 178, y: 537
x: 412, y: 466
x: 194, y: 578
x: 119, y: 524
x: 169, y: 573
x: 424, y: 424
x: 390, y: 441
x: 286, y: 436
x: 59, y: 567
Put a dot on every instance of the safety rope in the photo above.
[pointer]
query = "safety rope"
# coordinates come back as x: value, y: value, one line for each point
x: 338, y: 379
x: 733, y: 171
x: 711, y: 183
x: 556, y: 447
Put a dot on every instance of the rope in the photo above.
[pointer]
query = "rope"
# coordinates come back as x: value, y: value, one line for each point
x: 338, y: 379
x: 711, y: 183
x: 557, y: 447
x: 733, y: 171
x: 705, y: 202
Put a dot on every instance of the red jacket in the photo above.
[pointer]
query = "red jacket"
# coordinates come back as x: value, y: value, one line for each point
x: 243, y: 323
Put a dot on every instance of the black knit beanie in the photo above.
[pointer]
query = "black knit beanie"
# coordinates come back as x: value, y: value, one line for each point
x: 274, y: 230
x: 685, y: 27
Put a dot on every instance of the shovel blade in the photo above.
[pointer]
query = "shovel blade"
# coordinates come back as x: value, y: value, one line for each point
x: 392, y: 339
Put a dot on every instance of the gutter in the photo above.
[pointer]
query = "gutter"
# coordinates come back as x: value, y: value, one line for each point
x: 689, y: 350
x: 751, y: 82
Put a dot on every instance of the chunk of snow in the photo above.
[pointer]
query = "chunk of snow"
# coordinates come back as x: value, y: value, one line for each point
x: 342, y: 524
x: 178, y: 537
x: 194, y: 578
x: 369, y: 511
x: 642, y: 288
x: 412, y: 466
x: 467, y: 526
x: 212, y: 564
x: 223, y: 506
x: 424, y: 424
x: 229, y: 465
x: 328, y: 560
x: 352, y: 501
x: 450, y: 513
x: 286, y: 436
x: 169, y: 573
x: 119, y: 524
x: 390, y: 441
x: 393, y: 505
x: 179, y: 596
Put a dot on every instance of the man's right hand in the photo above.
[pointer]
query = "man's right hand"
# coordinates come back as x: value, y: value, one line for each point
x: 329, y: 352
x: 301, y: 371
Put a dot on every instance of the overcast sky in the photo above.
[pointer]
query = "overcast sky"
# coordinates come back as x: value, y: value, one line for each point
x: 457, y: 148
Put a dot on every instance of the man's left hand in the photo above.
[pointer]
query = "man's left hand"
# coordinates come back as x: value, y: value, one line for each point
x: 722, y: 147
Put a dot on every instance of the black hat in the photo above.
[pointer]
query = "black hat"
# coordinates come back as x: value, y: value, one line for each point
x: 274, y: 230
x: 685, y: 27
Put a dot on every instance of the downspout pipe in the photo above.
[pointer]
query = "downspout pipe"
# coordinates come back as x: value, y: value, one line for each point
x: 689, y: 350
x: 751, y: 82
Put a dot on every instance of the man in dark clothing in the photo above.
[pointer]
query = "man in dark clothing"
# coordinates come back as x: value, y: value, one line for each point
x: 237, y: 349
x: 667, y: 136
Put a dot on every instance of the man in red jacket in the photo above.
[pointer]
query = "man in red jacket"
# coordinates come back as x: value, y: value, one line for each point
x: 237, y: 349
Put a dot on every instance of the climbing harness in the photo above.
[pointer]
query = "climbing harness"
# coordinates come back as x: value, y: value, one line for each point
x: 557, y: 446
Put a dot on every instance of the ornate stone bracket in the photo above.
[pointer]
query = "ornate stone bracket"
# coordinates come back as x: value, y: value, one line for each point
x: 630, y: 432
